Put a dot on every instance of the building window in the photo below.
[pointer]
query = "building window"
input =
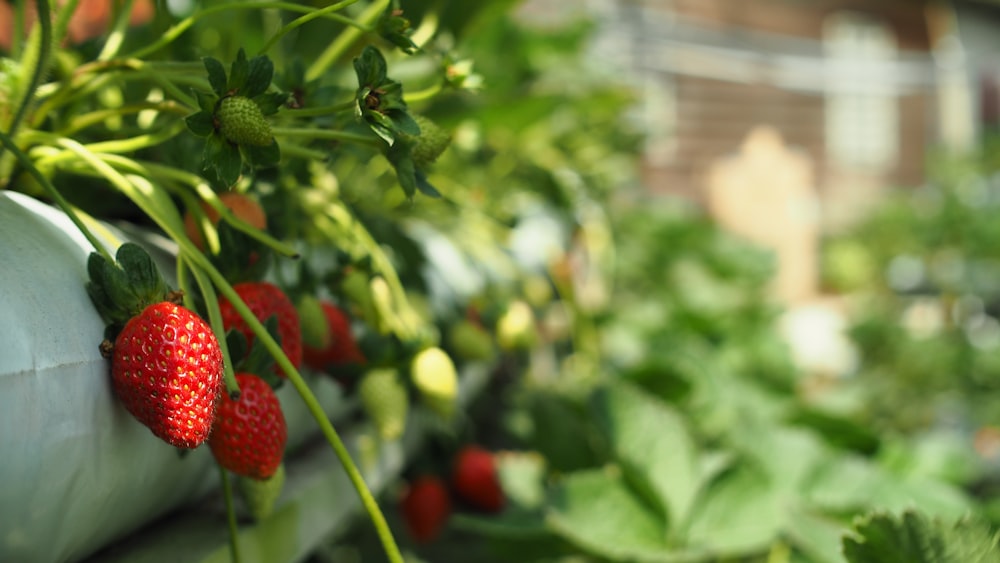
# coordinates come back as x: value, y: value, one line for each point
x: 862, y: 113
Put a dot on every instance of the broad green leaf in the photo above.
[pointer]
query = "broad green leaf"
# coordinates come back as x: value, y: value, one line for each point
x: 597, y: 511
x: 915, y: 538
x: 561, y: 432
x: 509, y: 524
x: 844, y: 483
x: 815, y: 535
x: 653, y: 446
x: 216, y: 75
x: 370, y: 67
x: 740, y: 513
x: 522, y: 476
x: 264, y: 156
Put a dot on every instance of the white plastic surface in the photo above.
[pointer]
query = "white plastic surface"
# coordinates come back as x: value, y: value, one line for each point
x: 76, y: 470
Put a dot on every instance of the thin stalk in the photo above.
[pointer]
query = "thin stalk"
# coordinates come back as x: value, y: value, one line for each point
x: 53, y: 193
x: 322, y: 110
x: 425, y: 94
x: 39, y: 48
x: 298, y: 22
x: 343, y: 41
x: 326, y: 134
x: 218, y: 327
x: 180, y: 27
x: 117, y: 35
x: 92, y: 118
x: 234, y: 530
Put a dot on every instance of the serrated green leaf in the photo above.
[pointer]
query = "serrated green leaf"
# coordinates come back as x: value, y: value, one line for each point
x: 216, y: 75
x: 141, y: 272
x: 239, y: 71
x: 263, y: 156
x: 270, y: 102
x: 914, y: 538
x: 663, y: 464
x: 259, y: 76
x: 201, y: 124
x: 229, y: 164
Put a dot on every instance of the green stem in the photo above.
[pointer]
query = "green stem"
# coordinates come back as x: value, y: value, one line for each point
x: 234, y: 530
x: 323, y: 110
x: 326, y: 134
x: 92, y: 118
x: 218, y: 327
x: 425, y: 94
x: 39, y: 48
x: 305, y: 153
x: 340, y: 45
x: 117, y: 35
x: 298, y: 22
x: 53, y: 193
x: 180, y: 27
x: 144, y: 197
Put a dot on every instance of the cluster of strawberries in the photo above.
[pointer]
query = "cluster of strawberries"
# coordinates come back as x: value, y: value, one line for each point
x: 426, y: 504
x: 167, y: 364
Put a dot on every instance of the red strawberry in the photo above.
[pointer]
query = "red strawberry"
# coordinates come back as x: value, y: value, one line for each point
x: 342, y: 347
x: 265, y: 300
x: 249, y: 434
x: 166, y: 364
x: 167, y: 370
x: 474, y: 479
x: 426, y: 508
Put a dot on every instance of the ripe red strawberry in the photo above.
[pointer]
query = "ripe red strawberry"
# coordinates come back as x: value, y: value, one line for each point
x: 166, y: 364
x: 265, y: 300
x: 249, y: 433
x: 475, y: 481
x: 167, y: 370
x: 426, y: 507
x: 342, y: 348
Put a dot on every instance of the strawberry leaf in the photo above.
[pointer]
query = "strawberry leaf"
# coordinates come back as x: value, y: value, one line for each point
x: 270, y: 102
x: 229, y: 164
x: 915, y: 538
x: 370, y: 68
x: 262, y: 157
x: 216, y: 75
x: 396, y: 29
x: 206, y: 101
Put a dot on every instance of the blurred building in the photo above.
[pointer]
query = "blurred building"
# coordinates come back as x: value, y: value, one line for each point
x: 863, y: 88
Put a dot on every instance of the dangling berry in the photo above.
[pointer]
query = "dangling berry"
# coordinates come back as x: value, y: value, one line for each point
x: 249, y: 433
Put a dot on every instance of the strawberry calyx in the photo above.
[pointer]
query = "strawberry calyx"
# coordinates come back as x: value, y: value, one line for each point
x: 120, y: 290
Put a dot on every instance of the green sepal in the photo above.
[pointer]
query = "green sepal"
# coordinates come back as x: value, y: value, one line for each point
x: 261, y: 496
x: 201, y: 124
x: 370, y: 67
x: 404, y: 122
x: 261, y: 71
x: 239, y: 72
x: 262, y: 156
x: 399, y: 155
x: 229, y: 164
x: 216, y: 75
x: 382, y: 125
x: 123, y: 289
x: 238, y: 347
x: 424, y: 186
x: 206, y: 101
x: 396, y: 29
x: 270, y: 102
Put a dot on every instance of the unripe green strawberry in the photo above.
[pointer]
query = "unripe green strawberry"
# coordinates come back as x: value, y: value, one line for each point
x: 242, y: 122
x: 516, y: 327
x: 436, y: 380
x: 261, y: 494
x: 470, y: 341
x: 432, y: 141
x: 315, y: 331
x: 384, y: 398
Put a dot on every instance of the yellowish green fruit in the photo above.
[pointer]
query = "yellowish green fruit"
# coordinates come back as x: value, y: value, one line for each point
x: 516, y: 327
x: 432, y: 141
x: 384, y: 398
x: 315, y: 330
x: 470, y: 341
x: 436, y: 380
x: 261, y: 496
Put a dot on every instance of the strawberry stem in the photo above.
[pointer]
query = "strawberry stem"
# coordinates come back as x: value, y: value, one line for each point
x: 339, y: 46
x: 308, y: 18
x: 234, y: 531
x: 215, y: 320
x: 54, y: 194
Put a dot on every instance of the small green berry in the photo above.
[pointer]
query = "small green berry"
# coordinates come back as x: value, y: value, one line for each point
x: 385, y: 400
x: 242, y: 122
x: 432, y: 141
